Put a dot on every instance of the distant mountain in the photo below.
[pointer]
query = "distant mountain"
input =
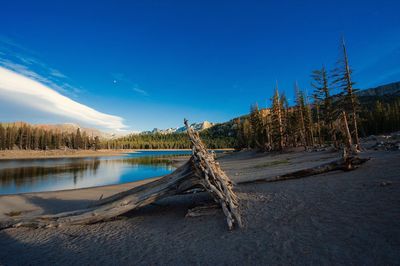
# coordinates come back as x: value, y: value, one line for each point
x: 199, y: 126
x: 195, y: 126
x: 392, y: 89
x: 385, y: 94
x: 72, y: 127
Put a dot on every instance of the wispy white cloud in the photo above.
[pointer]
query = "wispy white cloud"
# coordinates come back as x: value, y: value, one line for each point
x: 25, y: 71
x: 120, y: 78
x: 143, y: 92
x: 25, y: 88
x: 56, y: 73
x: 22, y: 60
x: 9, y: 44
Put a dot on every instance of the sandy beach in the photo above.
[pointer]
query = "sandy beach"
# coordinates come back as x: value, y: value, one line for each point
x: 334, y: 218
x: 40, y: 154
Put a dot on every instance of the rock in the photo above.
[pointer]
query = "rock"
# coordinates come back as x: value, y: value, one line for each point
x: 386, y: 183
x: 371, y: 137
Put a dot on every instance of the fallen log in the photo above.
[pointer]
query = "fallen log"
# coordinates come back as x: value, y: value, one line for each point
x: 341, y: 164
x: 200, y: 171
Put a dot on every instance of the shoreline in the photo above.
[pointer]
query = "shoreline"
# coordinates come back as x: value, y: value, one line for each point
x: 176, y: 162
x: 20, y: 202
x: 54, y: 154
x: 287, y: 222
x: 79, y: 191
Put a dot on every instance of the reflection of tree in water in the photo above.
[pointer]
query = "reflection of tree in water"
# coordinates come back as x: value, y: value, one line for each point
x: 136, y: 163
x: 23, y: 175
x: 164, y: 161
x: 77, y: 169
x: 75, y: 178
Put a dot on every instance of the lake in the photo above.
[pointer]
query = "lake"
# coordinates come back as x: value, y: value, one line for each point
x: 36, y: 175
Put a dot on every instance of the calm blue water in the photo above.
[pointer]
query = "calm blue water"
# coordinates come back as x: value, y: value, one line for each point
x: 21, y: 176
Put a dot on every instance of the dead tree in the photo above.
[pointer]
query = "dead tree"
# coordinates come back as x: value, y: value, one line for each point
x: 348, y: 150
x: 350, y: 93
x: 200, y: 171
x: 349, y: 160
x: 348, y: 100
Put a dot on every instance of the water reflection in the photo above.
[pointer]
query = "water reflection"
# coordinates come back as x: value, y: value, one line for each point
x: 18, y: 176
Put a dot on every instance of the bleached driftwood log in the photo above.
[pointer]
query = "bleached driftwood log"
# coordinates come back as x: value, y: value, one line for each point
x: 341, y: 164
x: 200, y: 171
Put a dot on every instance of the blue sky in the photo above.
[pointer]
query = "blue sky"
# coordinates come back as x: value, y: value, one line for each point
x: 146, y: 64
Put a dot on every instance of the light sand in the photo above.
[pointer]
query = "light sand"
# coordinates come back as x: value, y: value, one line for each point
x: 31, y: 204
x: 334, y: 218
x: 39, y: 154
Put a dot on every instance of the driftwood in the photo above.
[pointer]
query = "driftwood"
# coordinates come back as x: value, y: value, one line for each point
x: 336, y: 165
x: 203, y: 210
x: 201, y: 171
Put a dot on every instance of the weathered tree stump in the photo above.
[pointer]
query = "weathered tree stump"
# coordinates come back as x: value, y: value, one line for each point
x: 201, y: 171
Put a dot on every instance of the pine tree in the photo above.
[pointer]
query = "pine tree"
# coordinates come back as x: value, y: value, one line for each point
x: 276, y: 118
x: 78, y: 139
x: 323, y: 101
x: 256, y: 125
x: 96, y: 143
x: 318, y: 116
x: 308, y: 121
x: 300, y: 110
x: 2, y: 137
x: 240, y: 134
x: 285, y: 118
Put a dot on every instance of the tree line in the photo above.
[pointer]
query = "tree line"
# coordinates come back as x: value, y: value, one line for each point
x: 168, y: 141
x: 27, y: 137
x: 381, y: 117
x: 316, y: 119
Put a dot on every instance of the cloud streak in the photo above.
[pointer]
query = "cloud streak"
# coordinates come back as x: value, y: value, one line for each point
x: 27, y: 91
x: 143, y: 92
x: 121, y: 78
x: 19, y: 59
